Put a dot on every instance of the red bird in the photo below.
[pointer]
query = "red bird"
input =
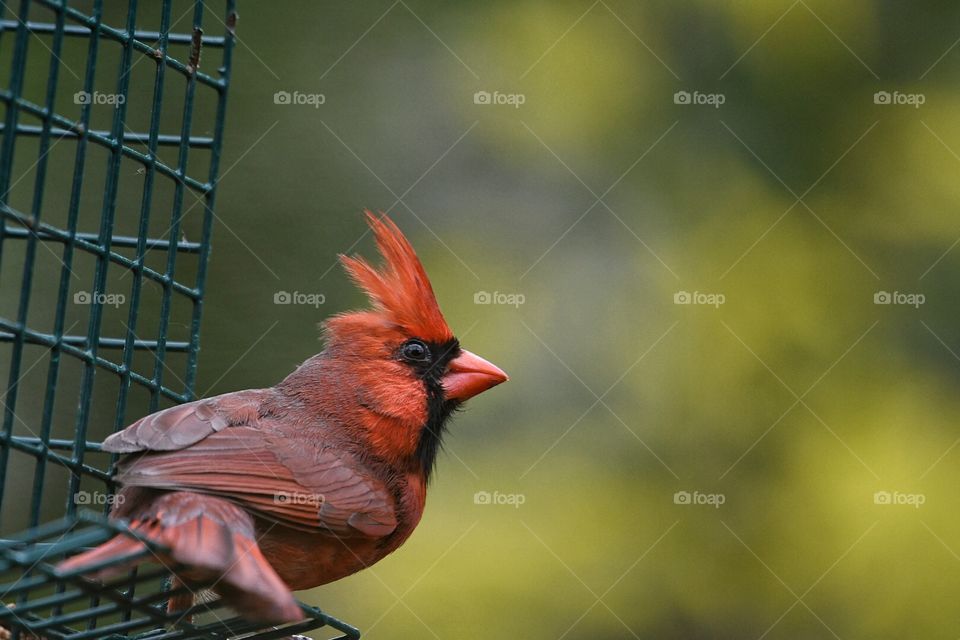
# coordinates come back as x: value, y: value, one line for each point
x: 290, y: 487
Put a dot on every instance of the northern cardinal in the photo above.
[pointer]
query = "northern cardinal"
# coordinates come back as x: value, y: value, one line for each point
x: 271, y: 490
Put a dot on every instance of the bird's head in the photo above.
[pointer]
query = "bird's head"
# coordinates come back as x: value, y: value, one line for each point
x: 409, y: 370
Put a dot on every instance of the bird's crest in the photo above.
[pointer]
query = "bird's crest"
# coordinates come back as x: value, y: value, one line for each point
x: 400, y: 288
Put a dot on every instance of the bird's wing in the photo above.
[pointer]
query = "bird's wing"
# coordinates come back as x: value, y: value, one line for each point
x: 255, y: 466
x: 187, y: 424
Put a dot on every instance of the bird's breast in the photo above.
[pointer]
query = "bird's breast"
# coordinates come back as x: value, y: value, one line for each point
x: 307, y: 559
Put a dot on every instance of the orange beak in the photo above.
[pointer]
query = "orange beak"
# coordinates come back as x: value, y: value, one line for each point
x: 468, y: 374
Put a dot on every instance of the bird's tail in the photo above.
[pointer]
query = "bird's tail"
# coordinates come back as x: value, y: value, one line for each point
x: 208, y: 540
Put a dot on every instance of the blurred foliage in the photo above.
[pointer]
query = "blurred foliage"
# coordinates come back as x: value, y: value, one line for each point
x: 598, y: 199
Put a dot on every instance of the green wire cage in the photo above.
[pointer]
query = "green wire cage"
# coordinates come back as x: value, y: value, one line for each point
x: 111, y: 126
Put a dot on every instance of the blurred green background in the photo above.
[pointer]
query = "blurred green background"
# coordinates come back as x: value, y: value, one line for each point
x: 598, y: 202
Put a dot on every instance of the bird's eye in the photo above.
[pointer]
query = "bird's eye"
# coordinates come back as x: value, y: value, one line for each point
x: 415, y: 351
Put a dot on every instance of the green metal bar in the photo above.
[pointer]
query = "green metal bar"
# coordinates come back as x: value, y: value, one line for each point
x: 200, y: 142
x: 61, y: 444
x: 6, y: 166
x: 53, y: 370
x: 10, y: 119
x: 176, y: 218
x: 143, y: 36
x: 205, y: 239
x: 96, y: 309
x: 104, y: 343
x: 118, y: 241
x: 143, y: 232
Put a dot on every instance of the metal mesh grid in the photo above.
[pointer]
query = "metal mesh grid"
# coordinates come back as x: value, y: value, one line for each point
x: 110, y: 140
x: 85, y: 290
x: 122, y: 606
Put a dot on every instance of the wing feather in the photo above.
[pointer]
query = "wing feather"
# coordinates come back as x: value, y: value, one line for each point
x: 191, y: 448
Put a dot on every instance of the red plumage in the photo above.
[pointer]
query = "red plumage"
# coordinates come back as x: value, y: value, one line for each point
x: 293, y: 486
x: 401, y: 292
